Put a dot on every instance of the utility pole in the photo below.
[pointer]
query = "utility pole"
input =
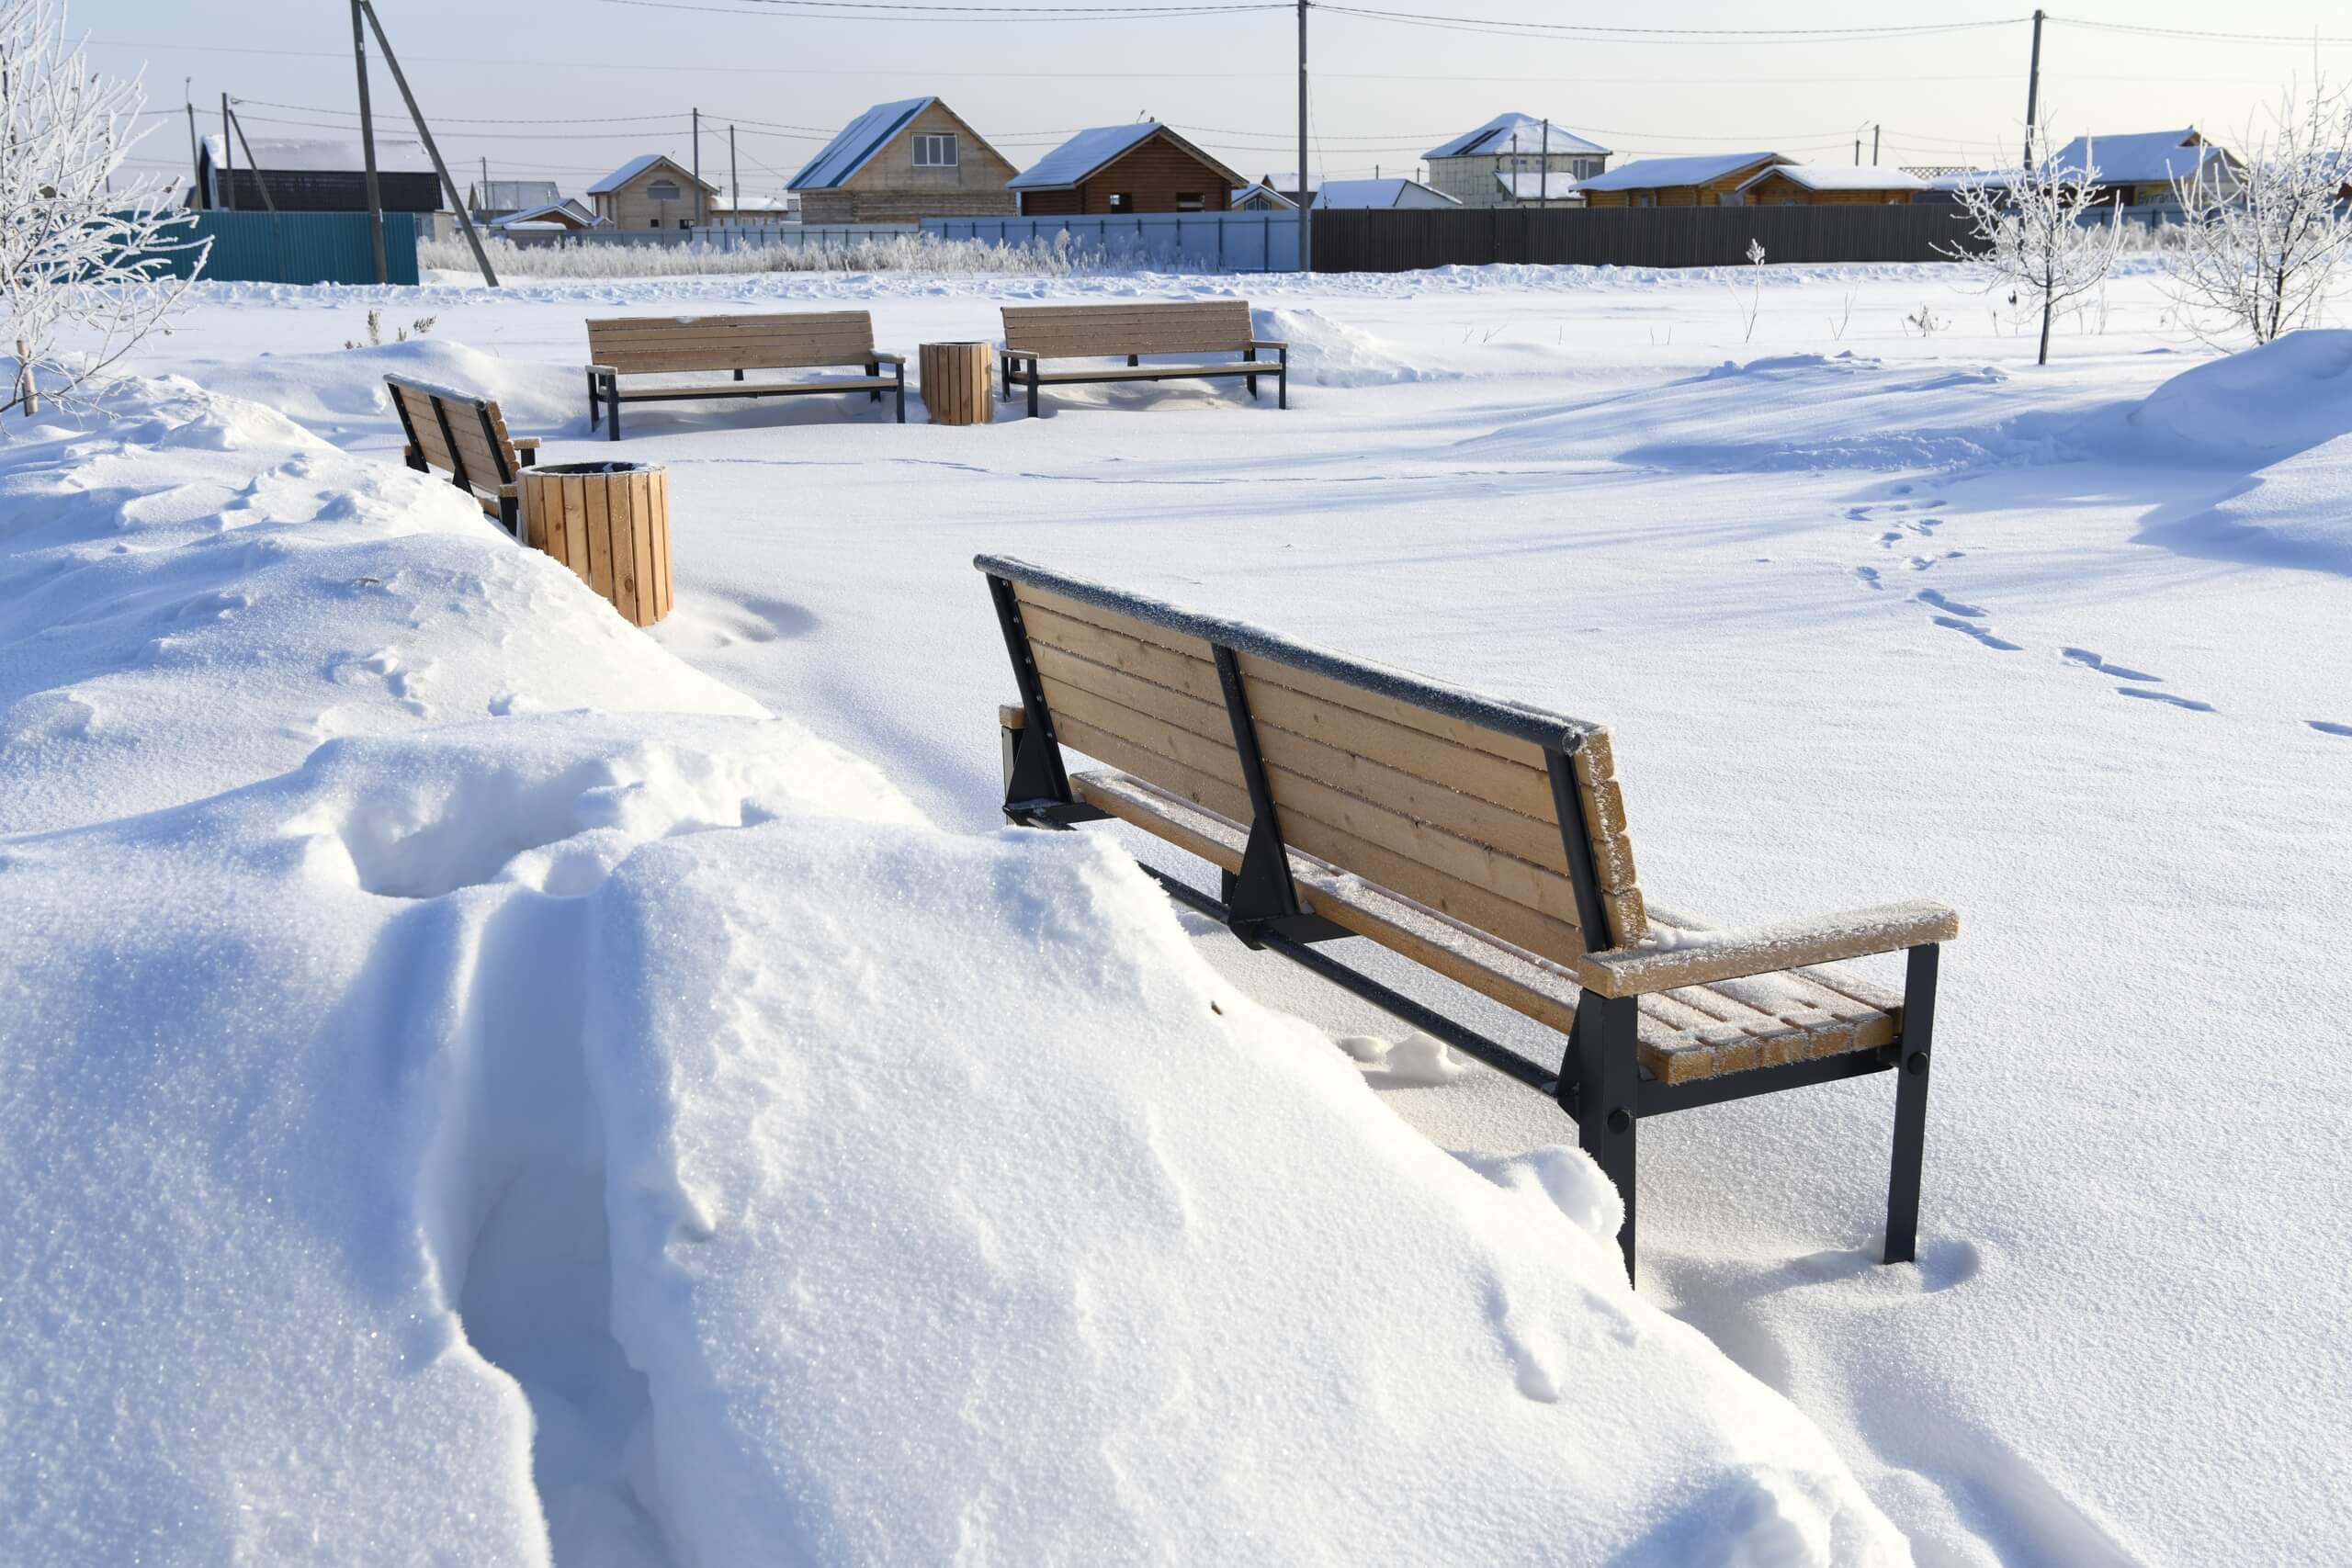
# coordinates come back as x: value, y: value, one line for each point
x: 1306, y: 191
x: 1543, y: 181
x: 1875, y: 129
x: 1858, y: 152
x: 483, y: 195
x: 228, y: 160
x: 195, y: 158
x: 2033, y: 88
x: 367, y: 147
x: 734, y: 181
x: 699, y: 219
x: 254, y: 163
x: 399, y: 80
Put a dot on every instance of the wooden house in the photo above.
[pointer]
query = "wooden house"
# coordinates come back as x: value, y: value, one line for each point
x: 554, y: 217
x: 1831, y: 184
x: 1119, y: 169
x: 1499, y: 163
x: 754, y: 212
x: 315, y: 176
x: 1264, y: 197
x: 2146, y: 168
x: 653, y: 192
x: 1705, y: 179
x: 903, y: 163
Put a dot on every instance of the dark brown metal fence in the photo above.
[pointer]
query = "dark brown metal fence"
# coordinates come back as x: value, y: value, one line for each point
x: 1394, y: 240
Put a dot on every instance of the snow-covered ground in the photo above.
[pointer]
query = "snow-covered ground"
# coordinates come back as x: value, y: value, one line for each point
x: 389, y: 1008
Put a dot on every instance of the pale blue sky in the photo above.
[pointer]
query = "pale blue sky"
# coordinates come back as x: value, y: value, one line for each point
x: 630, y: 71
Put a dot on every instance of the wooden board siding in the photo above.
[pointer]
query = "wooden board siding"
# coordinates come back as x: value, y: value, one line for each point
x: 1779, y: 190
x: 630, y: 207
x: 902, y: 207
x: 1710, y: 194
x: 1151, y: 174
x: 890, y: 176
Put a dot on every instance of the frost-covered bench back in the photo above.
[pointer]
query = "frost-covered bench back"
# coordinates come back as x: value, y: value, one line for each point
x: 1076, y: 332
x: 639, y: 345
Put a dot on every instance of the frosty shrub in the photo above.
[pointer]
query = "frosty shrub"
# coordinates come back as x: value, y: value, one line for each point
x: 82, y: 253
x: 2260, y: 247
x: 2043, y: 229
x: 1054, y: 257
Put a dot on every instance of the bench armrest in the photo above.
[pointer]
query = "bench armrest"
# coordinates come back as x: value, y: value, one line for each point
x: 881, y: 358
x: 525, y: 442
x: 604, y: 370
x: 1268, y: 343
x: 1766, y: 949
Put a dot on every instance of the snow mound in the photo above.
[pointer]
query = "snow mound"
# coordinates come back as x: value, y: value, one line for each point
x: 2252, y: 408
x: 636, y: 1137
x: 342, y: 389
x: 1328, y: 353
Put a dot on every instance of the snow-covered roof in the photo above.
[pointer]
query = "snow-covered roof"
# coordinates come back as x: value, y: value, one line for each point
x: 1380, y: 193
x: 752, y: 204
x: 637, y: 166
x: 1840, y: 176
x: 1538, y: 184
x: 284, y: 155
x: 1696, y: 169
x: 2144, y: 157
x: 1082, y: 155
x: 1261, y: 189
x: 547, y: 215
x: 858, y: 143
x: 1515, y: 133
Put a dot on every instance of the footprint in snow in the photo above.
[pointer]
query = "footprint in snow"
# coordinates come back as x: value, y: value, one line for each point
x: 2191, y: 704
x: 1869, y: 575
x: 1979, y: 633
x: 2090, y: 661
x: 1891, y: 539
x: 2325, y: 727
x: 1930, y: 596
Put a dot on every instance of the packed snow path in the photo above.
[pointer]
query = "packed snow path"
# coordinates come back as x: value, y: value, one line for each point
x: 2065, y: 648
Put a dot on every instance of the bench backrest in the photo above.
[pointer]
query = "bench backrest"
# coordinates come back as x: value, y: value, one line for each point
x: 636, y: 344
x: 1085, y: 331
x: 1451, y: 800
x: 463, y: 436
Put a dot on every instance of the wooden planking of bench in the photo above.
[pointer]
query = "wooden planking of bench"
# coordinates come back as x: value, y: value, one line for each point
x: 1188, y: 327
x: 653, y: 345
x: 465, y: 438
x: 1485, y: 840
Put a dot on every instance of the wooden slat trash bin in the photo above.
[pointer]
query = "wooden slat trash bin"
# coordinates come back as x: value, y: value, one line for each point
x: 955, y: 382
x: 610, y: 523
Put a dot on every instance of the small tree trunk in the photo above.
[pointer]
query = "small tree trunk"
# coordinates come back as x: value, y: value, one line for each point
x: 2047, y: 305
x: 25, y: 378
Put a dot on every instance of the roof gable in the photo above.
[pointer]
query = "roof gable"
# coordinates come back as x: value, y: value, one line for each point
x: 1698, y: 169
x: 638, y: 166
x: 856, y: 144
x: 1515, y: 133
x: 1077, y: 159
x: 2142, y: 157
x: 1395, y: 191
x: 1837, y: 176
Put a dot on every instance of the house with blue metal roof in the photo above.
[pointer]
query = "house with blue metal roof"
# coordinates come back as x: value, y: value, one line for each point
x: 1120, y: 169
x: 901, y: 163
x: 1514, y: 159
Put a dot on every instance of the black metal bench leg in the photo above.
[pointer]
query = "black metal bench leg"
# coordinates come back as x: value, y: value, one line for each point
x: 1911, y: 1065
x: 1134, y: 360
x: 1249, y: 357
x: 875, y: 394
x: 739, y: 375
x: 901, y: 370
x: 1282, y: 382
x: 1033, y: 388
x: 595, y: 404
x: 1608, y: 1084
x: 612, y: 407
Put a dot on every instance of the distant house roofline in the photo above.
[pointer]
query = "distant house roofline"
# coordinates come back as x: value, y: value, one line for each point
x: 638, y: 166
x: 1083, y: 155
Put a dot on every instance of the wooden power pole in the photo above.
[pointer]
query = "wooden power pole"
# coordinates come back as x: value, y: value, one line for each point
x: 367, y: 146
x: 1305, y: 187
x: 399, y: 80
x: 2034, y: 89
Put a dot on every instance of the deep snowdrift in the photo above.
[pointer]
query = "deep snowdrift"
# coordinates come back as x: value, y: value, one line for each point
x: 635, y: 1135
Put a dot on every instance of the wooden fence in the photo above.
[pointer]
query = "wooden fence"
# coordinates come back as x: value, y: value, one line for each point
x: 1403, y: 240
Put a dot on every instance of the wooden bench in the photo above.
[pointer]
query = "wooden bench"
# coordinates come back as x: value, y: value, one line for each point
x: 653, y: 345
x: 1485, y: 840
x: 1034, y: 332
x: 464, y: 436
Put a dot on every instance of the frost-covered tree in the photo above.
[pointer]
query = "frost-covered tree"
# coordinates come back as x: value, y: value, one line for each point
x: 82, y: 264
x: 2043, y: 229
x: 2258, y: 256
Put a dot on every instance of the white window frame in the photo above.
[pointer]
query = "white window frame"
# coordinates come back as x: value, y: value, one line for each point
x: 932, y: 143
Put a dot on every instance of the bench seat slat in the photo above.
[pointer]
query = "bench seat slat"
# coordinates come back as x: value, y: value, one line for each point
x: 754, y: 388
x: 1676, y: 1043
x: 1138, y: 373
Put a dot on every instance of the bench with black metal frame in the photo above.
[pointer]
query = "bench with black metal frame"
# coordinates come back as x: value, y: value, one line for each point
x: 1035, y: 332
x: 1485, y: 840
x: 647, y: 345
x: 464, y: 436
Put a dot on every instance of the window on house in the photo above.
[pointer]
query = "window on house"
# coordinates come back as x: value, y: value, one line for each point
x: 654, y: 222
x: 1119, y: 202
x: 662, y: 190
x: 935, y: 151
x: 1644, y: 200
x: 1188, y: 201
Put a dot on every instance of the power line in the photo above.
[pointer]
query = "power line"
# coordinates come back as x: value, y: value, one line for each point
x: 2199, y: 33
x: 1600, y: 33
x: 454, y: 120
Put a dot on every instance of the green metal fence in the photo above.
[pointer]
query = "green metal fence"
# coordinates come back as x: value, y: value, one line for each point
x: 295, y: 247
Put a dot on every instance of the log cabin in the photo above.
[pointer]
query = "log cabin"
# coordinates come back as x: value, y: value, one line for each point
x: 1706, y: 179
x: 1121, y: 169
x: 901, y: 163
x: 1830, y: 184
x: 653, y: 192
